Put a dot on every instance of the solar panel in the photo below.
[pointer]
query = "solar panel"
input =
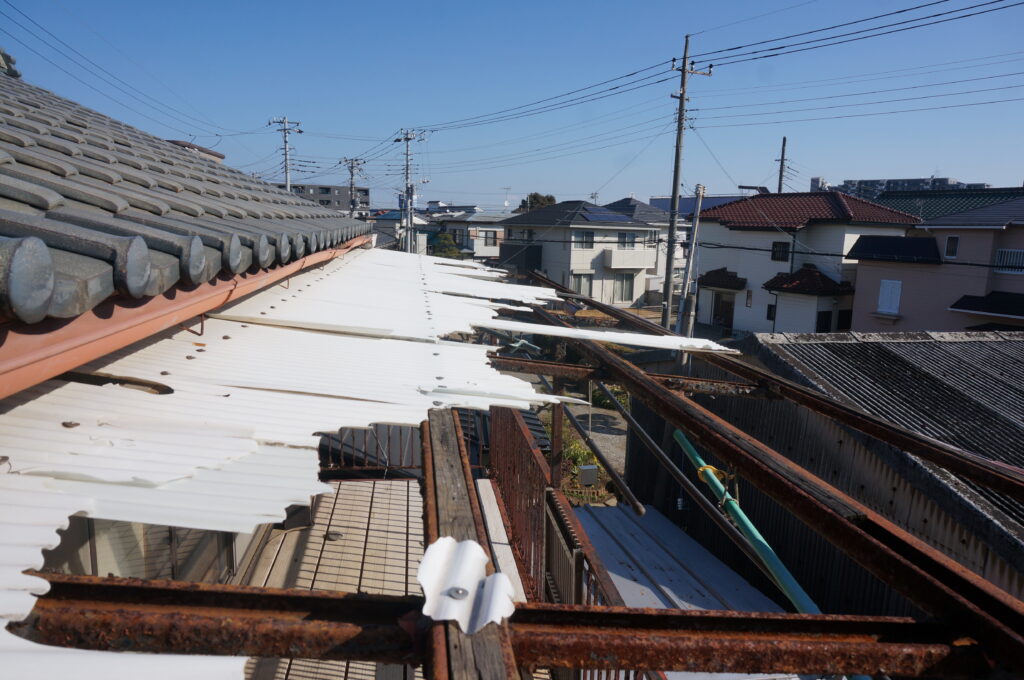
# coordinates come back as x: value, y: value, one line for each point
x: 599, y: 214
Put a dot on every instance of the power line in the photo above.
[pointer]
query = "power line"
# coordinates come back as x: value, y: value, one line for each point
x: 547, y: 99
x: 820, y: 30
x: 859, y: 94
x: 863, y: 115
x: 758, y: 16
x: 876, y: 35
x: 871, y: 103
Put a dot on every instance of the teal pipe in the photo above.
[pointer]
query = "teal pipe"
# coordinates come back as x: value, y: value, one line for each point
x: 783, y: 579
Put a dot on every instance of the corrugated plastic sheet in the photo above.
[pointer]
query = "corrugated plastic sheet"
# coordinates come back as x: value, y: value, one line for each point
x: 227, y: 438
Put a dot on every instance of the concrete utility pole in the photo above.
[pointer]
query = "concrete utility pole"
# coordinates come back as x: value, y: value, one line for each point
x: 353, y: 165
x: 782, y: 164
x: 689, y: 301
x: 286, y: 129
x: 685, y: 71
x: 593, y: 197
x: 407, y: 212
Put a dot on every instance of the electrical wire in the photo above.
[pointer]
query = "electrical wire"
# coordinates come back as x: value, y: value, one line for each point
x: 877, y: 35
x: 758, y: 16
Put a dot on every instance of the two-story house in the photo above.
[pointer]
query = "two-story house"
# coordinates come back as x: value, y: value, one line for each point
x: 957, y: 272
x: 475, y: 232
x: 596, y: 251
x: 658, y: 219
x: 775, y: 262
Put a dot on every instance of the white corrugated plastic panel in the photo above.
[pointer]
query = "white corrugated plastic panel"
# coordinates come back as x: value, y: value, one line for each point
x: 230, y: 438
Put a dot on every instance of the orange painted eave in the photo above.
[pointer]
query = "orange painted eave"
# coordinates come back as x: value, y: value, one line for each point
x: 31, y: 354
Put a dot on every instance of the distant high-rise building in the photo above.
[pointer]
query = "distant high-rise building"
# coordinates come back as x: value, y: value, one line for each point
x: 872, y: 188
x: 820, y: 184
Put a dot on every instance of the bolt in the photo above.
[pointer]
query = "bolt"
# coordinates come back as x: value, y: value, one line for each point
x: 457, y: 593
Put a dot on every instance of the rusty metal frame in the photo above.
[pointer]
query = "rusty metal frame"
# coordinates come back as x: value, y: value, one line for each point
x: 165, y: 616
x: 993, y: 474
x: 934, y: 582
x: 580, y: 372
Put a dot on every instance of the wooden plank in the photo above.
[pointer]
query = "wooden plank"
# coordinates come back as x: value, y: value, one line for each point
x: 487, y: 655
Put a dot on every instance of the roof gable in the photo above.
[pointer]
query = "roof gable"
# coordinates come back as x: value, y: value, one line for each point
x: 799, y: 210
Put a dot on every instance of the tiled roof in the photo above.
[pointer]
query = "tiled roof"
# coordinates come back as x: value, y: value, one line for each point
x: 91, y: 207
x: 921, y: 250
x: 997, y: 302
x: 965, y: 389
x: 808, y: 280
x: 931, y: 204
x: 798, y: 210
x: 996, y: 215
x: 572, y: 214
x: 721, y: 278
x: 639, y: 211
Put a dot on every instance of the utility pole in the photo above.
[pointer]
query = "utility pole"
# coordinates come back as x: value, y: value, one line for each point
x: 407, y: 213
x: 593, y: 197
x: 286, y: 129
x: 353, y: 165
x: 689, y: 301
x: 508, y: 193
x: 782, y: 164
x: 685, y: 71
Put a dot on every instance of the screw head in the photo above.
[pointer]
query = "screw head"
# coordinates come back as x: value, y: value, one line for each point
x: 457, y: 593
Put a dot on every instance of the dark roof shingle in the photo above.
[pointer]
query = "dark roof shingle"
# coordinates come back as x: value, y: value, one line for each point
x: 639, y: 211
x: 920, y: 250
x: 1000, y: 214
x: 997, y: 302
x: 931, y: 204
x: 721, y: 278
x: 572, y: 214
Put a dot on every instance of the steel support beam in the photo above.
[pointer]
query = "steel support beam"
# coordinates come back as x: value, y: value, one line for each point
x: 578, y: 372
x: 934, y: 582
x: 118, y: 614
x: 992, y: 474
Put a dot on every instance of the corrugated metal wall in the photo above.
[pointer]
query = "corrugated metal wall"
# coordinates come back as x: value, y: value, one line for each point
x: 845, y: 460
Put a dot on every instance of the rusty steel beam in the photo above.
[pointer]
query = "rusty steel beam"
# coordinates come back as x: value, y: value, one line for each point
x: 577, y: 372
x: 934, y: 582
x: 561, y: 636
x: 122, y: 614
x: 993, y: 474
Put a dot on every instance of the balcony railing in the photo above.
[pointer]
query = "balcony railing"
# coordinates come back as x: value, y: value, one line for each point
x: 635, y: 258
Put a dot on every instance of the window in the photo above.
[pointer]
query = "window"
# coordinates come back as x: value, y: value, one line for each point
x: 490, y: 238
x: 325, y: 202
x: 823, y: 323
x: 1009, y: 261
x: 844, y: 321
x: 622, y: 287
x: 583, y: 284
x: 651, y: 240
x: 780, y: 251
x: 952, y: 245
x: 325, y: 190
x: 627, y: 240
x: 770, y: 315
x: 526, y: 235
x: 750, y: 298
x: 889, y: 296
x: 583, y: 240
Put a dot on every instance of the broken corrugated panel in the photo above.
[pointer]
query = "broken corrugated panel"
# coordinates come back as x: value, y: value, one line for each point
x: 417, y: 297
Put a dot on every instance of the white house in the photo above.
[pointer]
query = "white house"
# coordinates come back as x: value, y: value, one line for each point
x: 775, y: 263
x: 596, y: 251
x: 638, y: 211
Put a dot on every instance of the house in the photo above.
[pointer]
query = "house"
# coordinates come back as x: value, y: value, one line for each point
x: 474, y: 232
x: 658, y: 218
x: 963, y: 271
x: 391, y: 222
x: 775, y: 262
x: 596, y: 251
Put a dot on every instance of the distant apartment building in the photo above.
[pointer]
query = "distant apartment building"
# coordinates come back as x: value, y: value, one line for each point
x: 333, y: 196
x: 871, y: 189
x: 596, y: 251
x: 774, y: 262
x: 963, y: 271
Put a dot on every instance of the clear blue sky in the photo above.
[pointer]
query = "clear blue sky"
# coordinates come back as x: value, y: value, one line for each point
x: 365, y: 70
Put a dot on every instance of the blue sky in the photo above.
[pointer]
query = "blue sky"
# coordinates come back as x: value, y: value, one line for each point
x: 361, y: 71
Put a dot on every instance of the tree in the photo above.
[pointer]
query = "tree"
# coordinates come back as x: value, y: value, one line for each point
x: 444, y: 246
x: 535, y: 200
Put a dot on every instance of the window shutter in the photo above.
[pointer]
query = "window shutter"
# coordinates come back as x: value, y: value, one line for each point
x: 889, y: 296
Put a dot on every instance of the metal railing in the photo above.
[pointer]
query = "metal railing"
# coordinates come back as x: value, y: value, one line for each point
x: 378, y: 447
